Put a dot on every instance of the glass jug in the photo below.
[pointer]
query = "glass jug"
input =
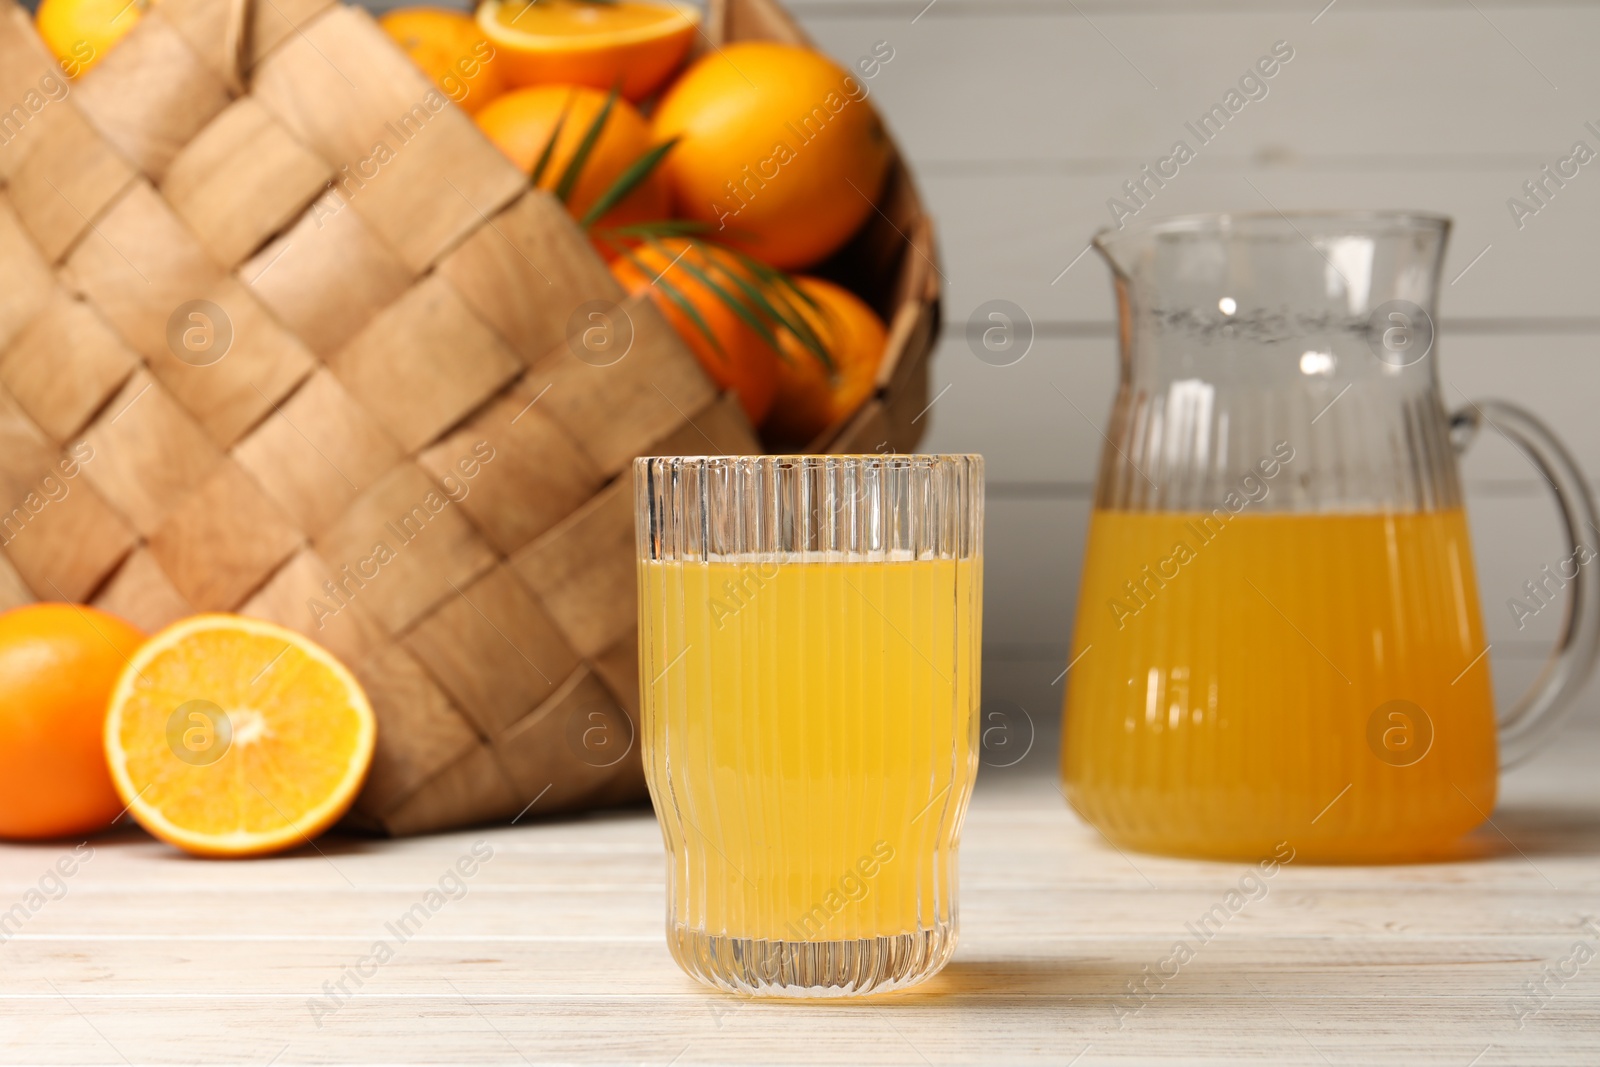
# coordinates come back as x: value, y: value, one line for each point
x: 1278, y: 636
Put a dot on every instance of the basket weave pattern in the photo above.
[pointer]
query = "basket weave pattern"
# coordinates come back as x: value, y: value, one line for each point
x: 400, y: 454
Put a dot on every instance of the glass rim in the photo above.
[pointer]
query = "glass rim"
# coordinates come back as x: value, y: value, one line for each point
x: 1218, y: 223
x: 821, y: 507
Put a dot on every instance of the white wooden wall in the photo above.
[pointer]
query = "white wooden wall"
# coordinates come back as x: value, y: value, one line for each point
x: 1021, y: 117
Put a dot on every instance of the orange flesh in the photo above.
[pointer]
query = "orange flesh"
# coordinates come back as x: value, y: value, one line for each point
x: 565, y: 18
x: 297, y: 733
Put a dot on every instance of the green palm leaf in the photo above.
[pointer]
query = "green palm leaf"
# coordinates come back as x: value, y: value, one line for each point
x: 769, y: 303
x: 751, y: 317
x: 674, y: 294
x: 580, y: 158
x: 762, y: 302
x: 659, y: 228
x: 627, y: 182
x: 786, y: 290
x: 550, y: 145
x: 617, y: 238
x: 774, y: 276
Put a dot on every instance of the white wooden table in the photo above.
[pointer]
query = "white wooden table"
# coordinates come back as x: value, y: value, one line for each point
x: 553, y: 951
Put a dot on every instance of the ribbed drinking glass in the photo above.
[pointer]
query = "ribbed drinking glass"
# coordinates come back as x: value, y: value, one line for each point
x: 809, y: 634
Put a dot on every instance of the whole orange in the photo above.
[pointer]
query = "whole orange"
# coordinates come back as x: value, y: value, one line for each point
x: 739, y: 359
x: 58, y: 665
x: 521, y: 123
x: 451, y: 51
x: 780, y: 150
x: 810, y: 396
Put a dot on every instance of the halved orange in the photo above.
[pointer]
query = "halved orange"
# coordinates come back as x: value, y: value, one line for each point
x: 629, y: 43
x: 229, y: 736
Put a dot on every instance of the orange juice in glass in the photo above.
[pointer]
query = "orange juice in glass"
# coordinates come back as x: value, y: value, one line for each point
x: 809, y: 632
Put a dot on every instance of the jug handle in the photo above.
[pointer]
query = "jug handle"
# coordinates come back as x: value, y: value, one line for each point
x: 1529, y: 723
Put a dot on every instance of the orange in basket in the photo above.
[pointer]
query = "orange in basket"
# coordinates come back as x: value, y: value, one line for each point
x: 521, y: 124
x: 810, y: 396
x: 780, y: 152
x: 451, y: 50
x: 683, y: 277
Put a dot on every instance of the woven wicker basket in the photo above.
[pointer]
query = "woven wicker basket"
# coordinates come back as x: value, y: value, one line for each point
x: 398, y: 452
